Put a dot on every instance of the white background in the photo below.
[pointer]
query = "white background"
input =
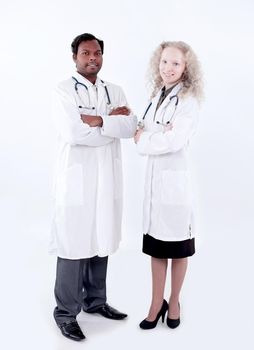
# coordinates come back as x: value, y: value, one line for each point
x: 35, y: 39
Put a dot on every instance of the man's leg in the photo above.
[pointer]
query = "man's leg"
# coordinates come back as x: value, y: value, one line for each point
x: 68, y: 294
x: 94, y: 279
x: 94, y: 283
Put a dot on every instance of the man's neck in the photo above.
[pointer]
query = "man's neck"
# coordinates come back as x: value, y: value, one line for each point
x: 92, y: 78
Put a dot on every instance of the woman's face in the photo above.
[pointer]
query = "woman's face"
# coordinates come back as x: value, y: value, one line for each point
x: 172, y: 65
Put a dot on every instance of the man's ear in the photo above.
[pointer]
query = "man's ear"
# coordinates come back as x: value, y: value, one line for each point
x: 74, y: 57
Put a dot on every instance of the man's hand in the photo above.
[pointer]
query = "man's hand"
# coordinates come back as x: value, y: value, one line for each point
x: 124, y: 110
x: 91, y: 120
x: 137, y: 135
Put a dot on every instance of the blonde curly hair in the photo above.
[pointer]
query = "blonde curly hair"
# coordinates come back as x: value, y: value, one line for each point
x: 192, y: 75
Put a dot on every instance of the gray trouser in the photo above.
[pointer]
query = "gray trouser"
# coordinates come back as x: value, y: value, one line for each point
x: 79, y: 283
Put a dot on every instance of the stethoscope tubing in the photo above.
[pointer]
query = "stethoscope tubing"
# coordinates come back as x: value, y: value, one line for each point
x: 170, y: 99
x: 82, y: 84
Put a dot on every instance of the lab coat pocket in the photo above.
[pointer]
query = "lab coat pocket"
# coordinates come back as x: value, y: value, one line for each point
x: 70, y: 186
x: 87, y: 110
x: 117, y: 178
x: 175, y: 188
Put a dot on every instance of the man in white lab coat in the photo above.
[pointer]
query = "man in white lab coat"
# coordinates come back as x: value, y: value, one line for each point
x: 90, y: 117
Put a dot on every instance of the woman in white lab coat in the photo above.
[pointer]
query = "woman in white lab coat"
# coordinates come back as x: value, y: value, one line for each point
x: 167, y: 126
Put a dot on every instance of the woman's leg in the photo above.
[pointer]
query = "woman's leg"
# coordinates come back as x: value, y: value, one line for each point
x: 178, y: 270
x: 159, y: 272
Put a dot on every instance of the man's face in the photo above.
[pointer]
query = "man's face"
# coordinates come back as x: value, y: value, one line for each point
x: 88, y: 59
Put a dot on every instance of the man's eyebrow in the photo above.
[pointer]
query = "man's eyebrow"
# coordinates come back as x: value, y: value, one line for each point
x: 90, y: 50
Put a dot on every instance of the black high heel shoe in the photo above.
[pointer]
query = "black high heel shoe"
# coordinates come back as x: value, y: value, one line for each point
x: 173, y: 323
x: 152, y: 324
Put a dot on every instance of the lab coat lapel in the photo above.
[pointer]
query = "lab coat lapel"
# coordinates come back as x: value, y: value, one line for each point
x: 174, y: 92
x: 154, y: 104
x: 166, y: 106
x: 102, y: 98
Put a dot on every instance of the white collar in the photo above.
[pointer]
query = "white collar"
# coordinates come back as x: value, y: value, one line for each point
x: 175, y: 90
x: 85, y: 81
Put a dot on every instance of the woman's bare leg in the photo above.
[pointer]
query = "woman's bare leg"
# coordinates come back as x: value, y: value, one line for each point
x: 159, y: 273
x: 178, y: 271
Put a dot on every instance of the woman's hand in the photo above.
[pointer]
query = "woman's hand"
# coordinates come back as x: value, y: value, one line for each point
x: 138, y: 134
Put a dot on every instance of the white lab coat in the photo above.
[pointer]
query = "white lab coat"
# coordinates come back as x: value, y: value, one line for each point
x: 88, y: 184
x: 168, y: 210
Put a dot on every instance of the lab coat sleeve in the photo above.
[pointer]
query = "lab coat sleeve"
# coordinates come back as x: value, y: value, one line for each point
x: 156, y: 143
x: 69, y: 124
x: 119, y: 126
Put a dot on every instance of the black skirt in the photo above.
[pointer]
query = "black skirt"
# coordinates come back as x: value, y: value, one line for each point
x: 168, y: 249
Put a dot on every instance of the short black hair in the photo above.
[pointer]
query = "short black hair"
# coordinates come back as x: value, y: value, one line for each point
x: 85, y: 37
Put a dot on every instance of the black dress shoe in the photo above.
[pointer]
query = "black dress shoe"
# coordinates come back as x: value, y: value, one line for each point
x: 72, y: 330
x: 109, y: 312
x: 152, y: 324
x: 173, y: 322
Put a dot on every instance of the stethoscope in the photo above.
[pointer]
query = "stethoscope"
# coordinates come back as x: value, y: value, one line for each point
x: 141, y: 123
x: 89, y: 100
